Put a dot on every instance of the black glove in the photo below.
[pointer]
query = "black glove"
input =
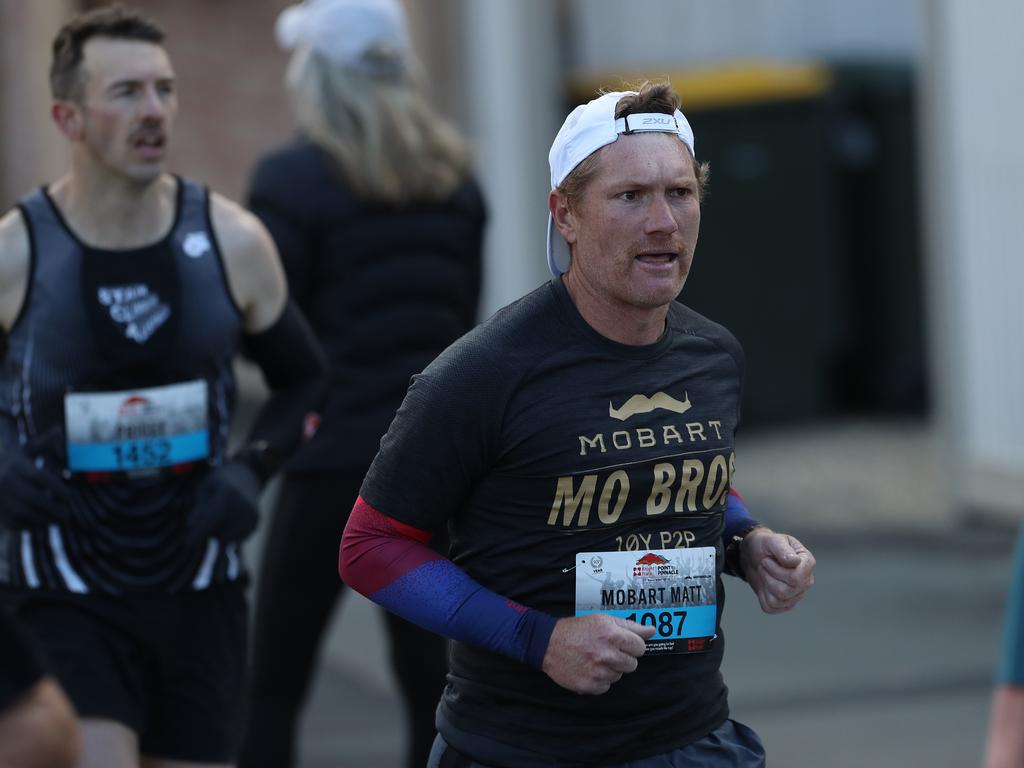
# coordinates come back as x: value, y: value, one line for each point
x: 32, y: 493
x: 226, y: 504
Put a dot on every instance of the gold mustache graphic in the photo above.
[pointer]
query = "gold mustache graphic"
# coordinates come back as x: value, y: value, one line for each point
x: 644, y: 404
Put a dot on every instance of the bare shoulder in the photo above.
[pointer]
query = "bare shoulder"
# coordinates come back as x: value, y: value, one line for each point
x: 13, y: 238
x: 14, y: 265
x: 238, y: 230
x: 255, y: 275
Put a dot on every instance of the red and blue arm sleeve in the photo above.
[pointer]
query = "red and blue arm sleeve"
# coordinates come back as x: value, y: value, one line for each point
x: 737, y: 517
x: 390, y: 563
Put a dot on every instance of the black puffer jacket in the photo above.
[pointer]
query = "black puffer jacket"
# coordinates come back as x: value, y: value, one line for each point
x: 386, y: 289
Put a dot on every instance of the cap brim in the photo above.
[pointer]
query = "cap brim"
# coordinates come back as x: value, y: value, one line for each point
x: 558, y: 250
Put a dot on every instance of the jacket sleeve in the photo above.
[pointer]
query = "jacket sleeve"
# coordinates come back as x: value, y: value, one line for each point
x: 272, y: 198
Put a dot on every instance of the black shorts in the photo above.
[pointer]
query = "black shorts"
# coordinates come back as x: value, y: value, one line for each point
x: 20, y: 667
x: 730, y: 745
x: 168, y: 666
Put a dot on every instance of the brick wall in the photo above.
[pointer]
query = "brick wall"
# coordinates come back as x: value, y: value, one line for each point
x: 31, y: 149
x: 230, y: 73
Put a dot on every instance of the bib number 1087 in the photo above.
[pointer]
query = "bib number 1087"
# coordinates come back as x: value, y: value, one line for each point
x: 666, y: 623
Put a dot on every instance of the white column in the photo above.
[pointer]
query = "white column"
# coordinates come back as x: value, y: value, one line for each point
x: 973, y: 163
x: 514, y: 87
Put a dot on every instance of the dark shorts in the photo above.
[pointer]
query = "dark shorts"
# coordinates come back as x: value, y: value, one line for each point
x: 20, y: 667
x: 731, y: 745
x: 170, y: 667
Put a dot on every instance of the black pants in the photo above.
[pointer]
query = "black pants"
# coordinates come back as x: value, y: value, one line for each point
x: 298, y: 587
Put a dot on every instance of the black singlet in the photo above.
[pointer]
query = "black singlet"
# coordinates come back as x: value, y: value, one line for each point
x: 130, y: 322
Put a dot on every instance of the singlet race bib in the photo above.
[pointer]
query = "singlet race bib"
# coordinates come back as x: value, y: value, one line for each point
x: 141, y: 429
x: 672, y: 590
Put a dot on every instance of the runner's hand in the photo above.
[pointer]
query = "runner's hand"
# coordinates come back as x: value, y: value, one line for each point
x: 778, y: 568
x: 586, y: 654
x: 226, y: 505
x: 30, y: 493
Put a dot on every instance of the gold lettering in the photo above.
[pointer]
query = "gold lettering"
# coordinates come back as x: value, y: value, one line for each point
x: 645, y: 437
x: 597, y: 440
x: 670, y: 432
x: 696, y: 429
x: 732, y: 467
x: 625, y: 435
x: 617, y: 480
x: 661, y: 492
x: 716, y: 425
x: 675, y: 539
x: 718, y: 482
x: 693, y: 473
x: 569, y: 502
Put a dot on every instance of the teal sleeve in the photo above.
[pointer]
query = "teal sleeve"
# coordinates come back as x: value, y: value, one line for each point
x: 1011, y: 667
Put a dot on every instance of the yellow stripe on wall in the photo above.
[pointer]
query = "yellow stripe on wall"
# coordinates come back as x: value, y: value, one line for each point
x: 734, y: 84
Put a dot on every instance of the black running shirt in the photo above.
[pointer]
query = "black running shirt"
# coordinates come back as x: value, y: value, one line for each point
x: 535, y: 438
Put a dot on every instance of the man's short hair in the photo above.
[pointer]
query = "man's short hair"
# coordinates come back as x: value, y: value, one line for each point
x: 113, y: 21
x: 649, y: 97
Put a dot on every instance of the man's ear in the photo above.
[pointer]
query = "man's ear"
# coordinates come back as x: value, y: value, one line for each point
x: 68, y: 117
x: 565, y: 220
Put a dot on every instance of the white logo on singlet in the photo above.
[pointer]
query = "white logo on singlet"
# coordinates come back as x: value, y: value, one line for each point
x: 195, y: 244
x: 135, y: 308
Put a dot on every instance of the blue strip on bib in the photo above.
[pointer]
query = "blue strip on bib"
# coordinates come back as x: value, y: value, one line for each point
x: 138, y: 454
x: 698, y: 622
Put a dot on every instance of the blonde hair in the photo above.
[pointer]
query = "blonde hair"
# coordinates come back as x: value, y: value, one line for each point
x: 388, y: 142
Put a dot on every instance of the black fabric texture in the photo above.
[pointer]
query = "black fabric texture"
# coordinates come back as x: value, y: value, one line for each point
x: 295, y: 369
x: 102, y: 321
x: 34, y: 495
x: 385, y: 289
x: 730, y: 745
x: 21, y: 668
x: 170, y: 666
x: 500, y: 438
x: 226, y: 504
x: 287, y: 352
x: 301, y: 558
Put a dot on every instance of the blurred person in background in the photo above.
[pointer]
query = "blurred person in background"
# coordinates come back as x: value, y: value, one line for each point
x: 379, y: 223
x: 580, y: 447
x: 1005, y: 745
x: 38, y: 726
x: 125, y: 293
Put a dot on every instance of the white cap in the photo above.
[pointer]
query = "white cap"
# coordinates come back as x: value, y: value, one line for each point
x: 588, y: 128
x: 346, y: 30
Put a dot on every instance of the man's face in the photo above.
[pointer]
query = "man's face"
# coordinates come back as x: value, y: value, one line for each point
x: 636, y: 223
x: 128, y: 105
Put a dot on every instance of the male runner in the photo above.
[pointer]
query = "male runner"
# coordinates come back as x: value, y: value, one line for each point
x: 580, y: 447
x: 125, y: 292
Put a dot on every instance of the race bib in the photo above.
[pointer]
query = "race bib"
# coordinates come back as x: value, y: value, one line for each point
x: 672, y: 590
x: 149, y: 428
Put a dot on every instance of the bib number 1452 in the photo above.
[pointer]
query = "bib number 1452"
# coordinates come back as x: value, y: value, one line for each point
x: 141, y: 454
